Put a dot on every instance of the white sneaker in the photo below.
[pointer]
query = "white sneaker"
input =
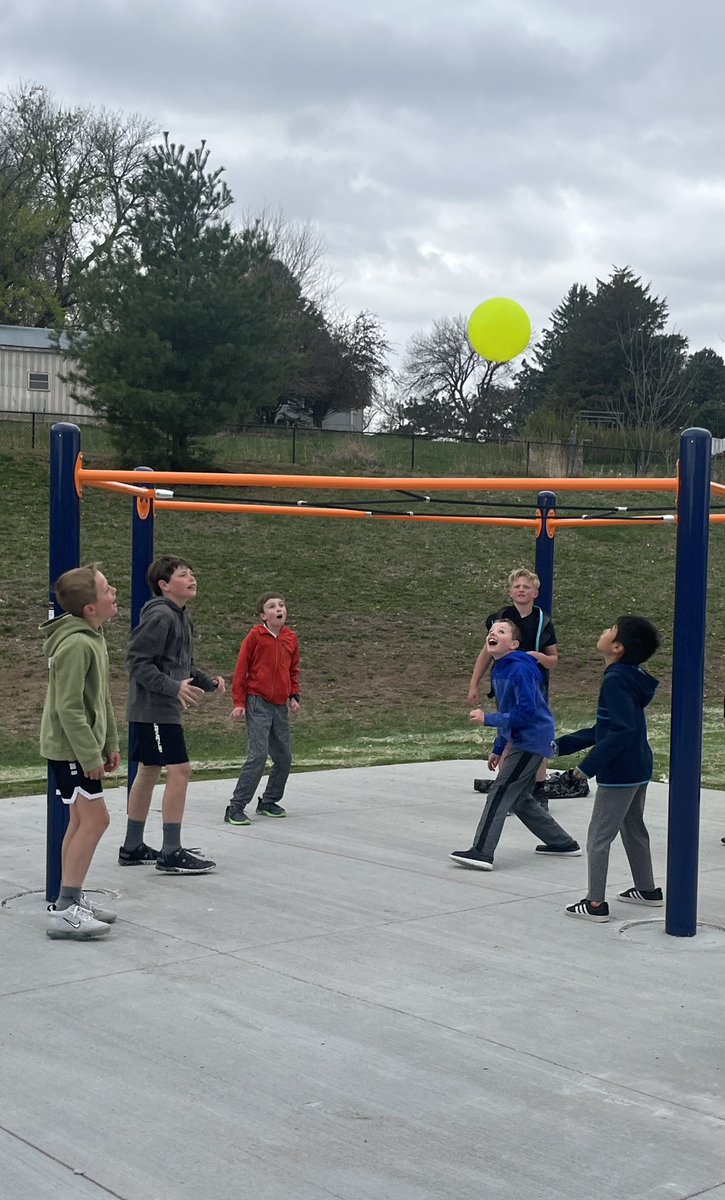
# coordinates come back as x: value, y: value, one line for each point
x: 75, y: 922
x: 101, y: 914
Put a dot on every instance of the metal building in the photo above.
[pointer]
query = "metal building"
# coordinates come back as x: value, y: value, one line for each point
x: 30, y: 369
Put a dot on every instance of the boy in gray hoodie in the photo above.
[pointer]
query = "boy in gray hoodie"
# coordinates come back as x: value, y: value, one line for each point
x: 163, y: 683
x: 79, y: 738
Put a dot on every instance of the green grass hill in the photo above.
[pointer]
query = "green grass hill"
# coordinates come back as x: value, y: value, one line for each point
x: 389, y: 615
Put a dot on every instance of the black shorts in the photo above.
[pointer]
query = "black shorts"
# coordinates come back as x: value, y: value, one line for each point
x: 155, y: 745
x: 70, y: 782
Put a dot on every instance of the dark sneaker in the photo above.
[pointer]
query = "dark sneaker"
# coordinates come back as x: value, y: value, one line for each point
x: 471, y: 858
x: 588, y: 911
x: 142, y: 856
x: 236, y: 816
x: 482, y: 785
x: 270, y: 810
x: 570, y: 850
x: 652, y: 899
x: 183, y: 862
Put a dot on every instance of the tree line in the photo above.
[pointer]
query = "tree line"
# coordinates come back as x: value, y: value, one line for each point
x: 606, y: 357
x: 182, y: 322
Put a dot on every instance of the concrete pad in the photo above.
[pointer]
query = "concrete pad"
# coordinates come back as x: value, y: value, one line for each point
x: 340, y: 1011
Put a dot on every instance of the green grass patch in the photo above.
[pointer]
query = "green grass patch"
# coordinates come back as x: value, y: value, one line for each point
x: 390, y: 615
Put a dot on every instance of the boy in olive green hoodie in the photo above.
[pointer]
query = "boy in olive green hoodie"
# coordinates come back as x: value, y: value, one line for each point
x: 79, y: 738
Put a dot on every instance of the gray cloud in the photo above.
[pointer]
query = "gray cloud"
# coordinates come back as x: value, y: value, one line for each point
x: 447, y: 152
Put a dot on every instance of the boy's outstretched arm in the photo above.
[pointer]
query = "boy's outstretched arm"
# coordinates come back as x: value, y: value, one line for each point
x: 483, y: 662
x: 580, y: 740
x: 523, y: 711
x: 622, y: 712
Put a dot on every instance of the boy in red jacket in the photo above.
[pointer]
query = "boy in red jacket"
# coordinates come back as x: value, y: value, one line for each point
x: 266, y: 680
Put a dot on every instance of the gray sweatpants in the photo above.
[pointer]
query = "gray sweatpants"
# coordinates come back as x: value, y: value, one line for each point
x: 268, y: 732
x: 513, y: 790
x: 618, y: 810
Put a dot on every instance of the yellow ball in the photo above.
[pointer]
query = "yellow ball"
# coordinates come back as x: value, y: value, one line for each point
x: 499, y: 329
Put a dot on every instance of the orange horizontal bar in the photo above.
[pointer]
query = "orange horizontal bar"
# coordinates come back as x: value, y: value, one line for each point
x: 367, y: 483
x: 570, y: 522
x: 126, y: 488
x: 308, y: 510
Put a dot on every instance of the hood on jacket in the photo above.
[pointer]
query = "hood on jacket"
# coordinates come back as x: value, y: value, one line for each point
x: 156, y: 602
x: 58, y: 629
x: 641, y: 682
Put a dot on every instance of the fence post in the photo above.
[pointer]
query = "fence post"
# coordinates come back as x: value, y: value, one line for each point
x: 64, y: 553
x: 527, y: 470
x: 412, y: 451
x: 688, y: 676
x: 544, y: 561
x: 294, y: 445
x: 32, y: 431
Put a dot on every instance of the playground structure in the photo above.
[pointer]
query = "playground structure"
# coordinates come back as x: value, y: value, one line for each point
x: 147, y: 490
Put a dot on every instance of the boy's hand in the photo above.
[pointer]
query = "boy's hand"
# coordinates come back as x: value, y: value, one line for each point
x: 189, y: 694
x: 493, y: 761
x: 294, y: 705
x: 219, y: 684
x: 95, y: 773
x: 237, y: 713
x: 477, y: 714
x: 112, y: 763
x: 472, y: 696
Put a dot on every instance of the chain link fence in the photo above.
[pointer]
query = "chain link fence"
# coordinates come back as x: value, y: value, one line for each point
x: 335, y: 452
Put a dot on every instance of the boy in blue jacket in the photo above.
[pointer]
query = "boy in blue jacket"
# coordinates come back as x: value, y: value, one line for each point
x: 622, y: 762
x: 524, y: 723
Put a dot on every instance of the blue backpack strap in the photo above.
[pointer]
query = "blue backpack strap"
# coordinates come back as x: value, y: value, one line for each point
x: 540, y: 630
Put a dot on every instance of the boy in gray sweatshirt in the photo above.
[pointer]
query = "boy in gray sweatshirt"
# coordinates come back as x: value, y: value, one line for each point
x: 163, y: 683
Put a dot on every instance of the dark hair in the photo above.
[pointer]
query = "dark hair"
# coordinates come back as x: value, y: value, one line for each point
x: 163, y: 568
x: 639, y: 637
x: 262, y: 600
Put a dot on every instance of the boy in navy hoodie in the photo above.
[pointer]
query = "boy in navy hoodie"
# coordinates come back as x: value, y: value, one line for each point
x: 525, y: 724
x: 622, y: 762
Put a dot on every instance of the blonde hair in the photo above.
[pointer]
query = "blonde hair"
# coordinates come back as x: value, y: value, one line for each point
x: 524, y: 572
x: 77, y: 588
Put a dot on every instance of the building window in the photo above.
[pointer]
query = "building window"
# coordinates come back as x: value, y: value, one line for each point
x: 38, y: 381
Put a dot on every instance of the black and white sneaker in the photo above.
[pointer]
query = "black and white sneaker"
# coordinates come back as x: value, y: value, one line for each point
x: 183, y: 862
x: 471, y: 858
x: 589, y: 912
x: 270, y: 810
x: 653, y: 899
x: 141, y: 856
x: 570, y: 850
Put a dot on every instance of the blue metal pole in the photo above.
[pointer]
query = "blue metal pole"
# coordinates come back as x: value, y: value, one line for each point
x: 142, y: 554
x: 64, y: 553
x: 688, y: 678
x: 544, y: 563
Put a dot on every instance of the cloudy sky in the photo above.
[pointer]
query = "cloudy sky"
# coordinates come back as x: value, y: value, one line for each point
x: 448, y: 152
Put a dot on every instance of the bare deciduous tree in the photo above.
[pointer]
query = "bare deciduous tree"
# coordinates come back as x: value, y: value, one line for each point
x: 302, y: 249
x: 655, y: 393
x: 79, y: 166
x: 451, y: 391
